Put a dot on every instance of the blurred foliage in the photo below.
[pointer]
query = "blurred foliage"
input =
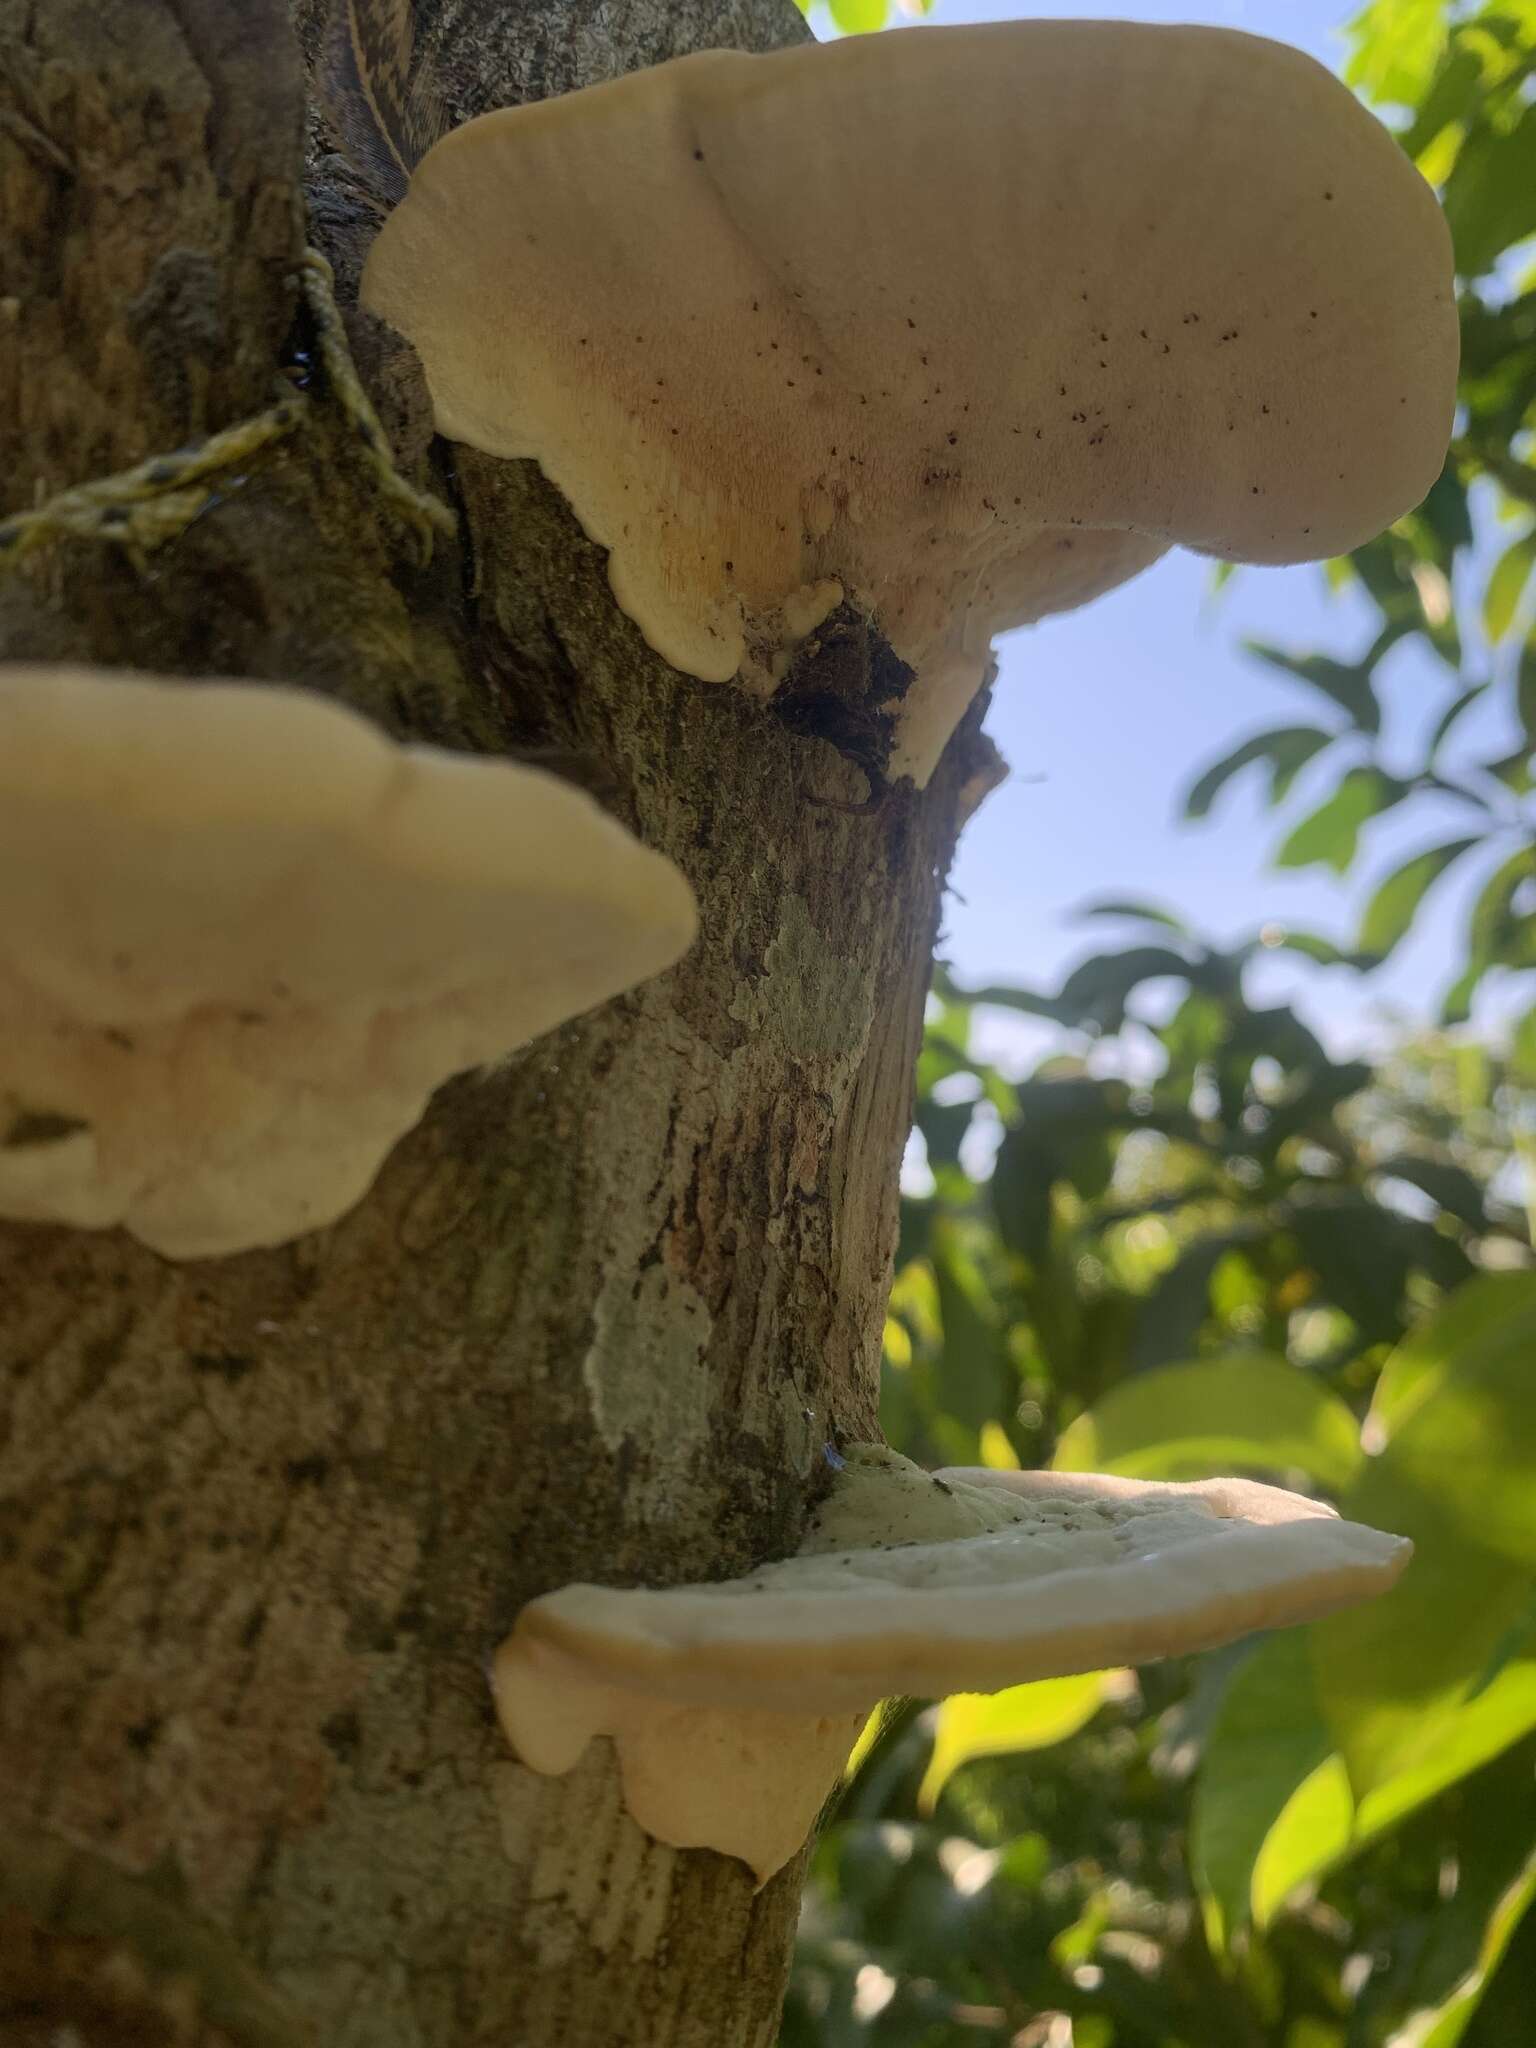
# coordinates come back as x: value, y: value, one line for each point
x: 1191, y: 1241
x: 863, y: 17
x: 1175, y: 1250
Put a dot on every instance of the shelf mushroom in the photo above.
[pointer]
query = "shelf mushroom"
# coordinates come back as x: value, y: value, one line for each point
x: 243, y: 936
x: 963, y: 327
x: 733, y: 1706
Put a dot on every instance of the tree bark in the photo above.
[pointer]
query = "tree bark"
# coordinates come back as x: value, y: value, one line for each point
x: 263, y: 1519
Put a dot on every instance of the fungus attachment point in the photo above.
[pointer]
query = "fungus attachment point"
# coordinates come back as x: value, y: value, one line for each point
x: 1042, y: 320
x: 732, y: 1706
x: 243, y: 936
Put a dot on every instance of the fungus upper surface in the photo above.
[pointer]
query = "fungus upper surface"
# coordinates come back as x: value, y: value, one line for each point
x: 910, y: 1582
x: 966, y: 327
x: 243, y: 936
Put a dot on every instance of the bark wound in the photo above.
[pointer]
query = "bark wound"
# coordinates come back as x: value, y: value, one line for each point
x: 264, y: 1519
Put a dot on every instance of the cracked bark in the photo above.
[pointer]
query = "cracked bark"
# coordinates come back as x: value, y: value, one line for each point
x: 262, y: 1519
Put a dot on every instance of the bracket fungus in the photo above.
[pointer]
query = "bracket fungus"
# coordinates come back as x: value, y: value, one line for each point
x: 963, y: 328
x: 244, y: 935
x: 733, y: 1705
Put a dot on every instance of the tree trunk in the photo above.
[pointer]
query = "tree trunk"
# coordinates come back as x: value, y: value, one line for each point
x: 263, y: 1519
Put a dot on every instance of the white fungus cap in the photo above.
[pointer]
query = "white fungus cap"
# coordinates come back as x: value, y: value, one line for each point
x: 243, y: 936
x: 1044, y: 1574
x: 965, y: 326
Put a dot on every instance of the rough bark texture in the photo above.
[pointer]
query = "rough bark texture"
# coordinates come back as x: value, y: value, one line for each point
x: 263, y: 1519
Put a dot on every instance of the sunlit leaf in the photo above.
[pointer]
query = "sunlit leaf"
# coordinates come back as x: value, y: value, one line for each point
x: 1395, y: 47
x: 1490, y: 1722
x: 1311, y: 1832
x: 1506, y: 586
x: 1273, y: 1808
x: 869, y: 1735
x: 1475, y: 1315
x: 1024, y: 1717
x: 857, y: 17
x: 997, y: 1454
x: 1245, y: 1412
x: 1454, y: 1473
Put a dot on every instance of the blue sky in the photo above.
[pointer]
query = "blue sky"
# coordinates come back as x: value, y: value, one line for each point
x: 1105, y: 715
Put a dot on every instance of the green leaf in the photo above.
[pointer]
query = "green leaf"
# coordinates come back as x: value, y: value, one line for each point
x: 1022, y: 1179
x: 1071, y: 1105
x: 1171, y: 1316
x: 1499, y: 931
x: 1246, y: 1412
x: 1287, y: 749
x: 1474, y: 1316
x: 1446, y: 519
x: 1390, y: 913
x: 1450, y: 717
x: 1490, y: 196
x: 1513, y: 770
x: 1311, y: 946
x: 857, y: 17
x: 1347, y: 684
x: 1451, y: 97
x: 1395, y: 49
x: 1506, y: 586
x: 1456, y: 1004
x: 1490, y: 1722
x: 1365, y: 1256
x: 1310, y: 1099
x: 1268, y: 1740
x: 1272, y: 1801
x: 1310, y: 1834
x: 1145, y: 913
x: 1454, y: 1474
x: 1332, y: 832
x: 944, y: 1125
x: 1525, y: 690
x: 1025, y: 1717
x: 1522, y: 1046
x: 975, y: 1377
x: 1468, y: 1936
x: 1095, y: 993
